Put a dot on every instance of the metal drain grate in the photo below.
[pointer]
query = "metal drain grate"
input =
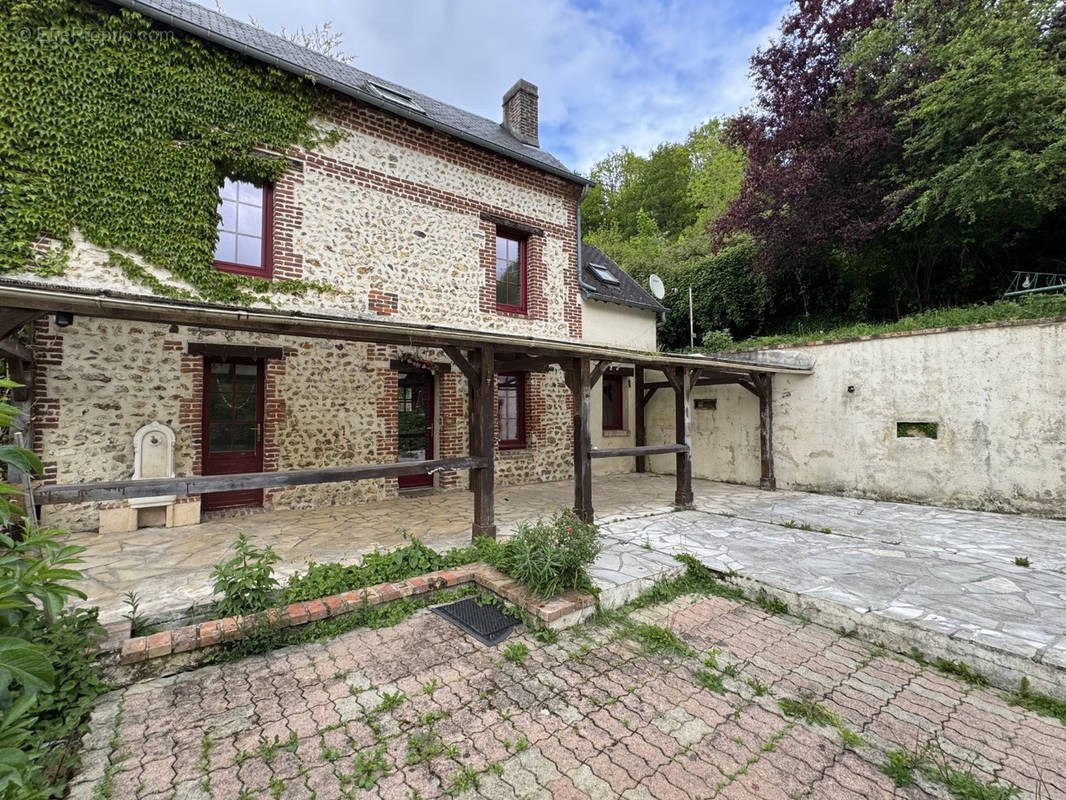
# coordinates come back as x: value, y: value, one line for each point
x: 485, y: 623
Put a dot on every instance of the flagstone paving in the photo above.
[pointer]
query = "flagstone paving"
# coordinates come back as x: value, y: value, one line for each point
x: 950, y: 570
x: 421, y: 711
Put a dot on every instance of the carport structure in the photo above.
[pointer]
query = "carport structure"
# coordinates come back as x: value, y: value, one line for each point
x: 479, y: 355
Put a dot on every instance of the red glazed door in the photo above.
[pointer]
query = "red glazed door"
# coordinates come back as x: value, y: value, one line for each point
x: 233, y: 427
x: 415, y: 414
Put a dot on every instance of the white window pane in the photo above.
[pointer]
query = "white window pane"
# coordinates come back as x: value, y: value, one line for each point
x: 250, y: 193
x: 226, y: 247
x: 228, y: 210
x: 249, y: 220
x: 228, y: 190
x: 250, y: 251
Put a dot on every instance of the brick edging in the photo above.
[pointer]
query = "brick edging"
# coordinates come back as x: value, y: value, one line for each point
x: 230, y: 629
x: 869, y: 337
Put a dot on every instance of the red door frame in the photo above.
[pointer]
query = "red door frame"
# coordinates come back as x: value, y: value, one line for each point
x: 421, y: 481
x: 229, y: 463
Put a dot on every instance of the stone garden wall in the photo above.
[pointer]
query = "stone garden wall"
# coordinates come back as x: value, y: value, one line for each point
x: 995, y: 393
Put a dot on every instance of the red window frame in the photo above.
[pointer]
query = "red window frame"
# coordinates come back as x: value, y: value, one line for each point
x: 523, y: 249
x: 265, y: 271
x: 619, y: 383
x: 520, y: 380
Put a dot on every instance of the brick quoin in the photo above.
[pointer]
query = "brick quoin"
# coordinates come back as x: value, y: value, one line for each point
x: 47, y: 346
x: 383, y: 303
x: 273, y: 416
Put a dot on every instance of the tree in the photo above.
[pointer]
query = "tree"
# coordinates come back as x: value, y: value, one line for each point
x: 813, y: 163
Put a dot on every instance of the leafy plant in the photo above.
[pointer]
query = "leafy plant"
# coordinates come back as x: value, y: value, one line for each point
x: 1042, y: 704
x: 809, y: 710
x: 516, y: 652
x: 369, y: 766
x: 1021, y: 561
x: 554, y: 556
x: 138, y: 624
x: 656, y: 639
x: 246, y: 581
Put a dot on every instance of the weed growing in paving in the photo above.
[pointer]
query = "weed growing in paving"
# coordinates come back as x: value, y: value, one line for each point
x: 1042, y: 704
x: 546, y: 635
x: 963, y: 672
x: 1021, y: 561
x: 464, y: 779
x: 657, y: 639
x: 516, y: 652
x: 771, y: 605
x: 850, y: 739
x: 390, y: 701
x: 809, y: 710
x: 757, y: 686
x: 712, y: 681
x: 903, y: 768
x: 430, y: 687
x: 369, y: 766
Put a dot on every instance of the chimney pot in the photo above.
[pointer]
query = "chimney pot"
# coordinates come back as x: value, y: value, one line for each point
x: 520, y: 113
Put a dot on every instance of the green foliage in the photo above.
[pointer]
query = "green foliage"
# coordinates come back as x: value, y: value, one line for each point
x: 322, y: 580
x: 369, y: 766
x: 712, y: 681
x: 657, y: 639
x: 900, y: 767
x: 1033, y: 307
x: 463, y: 780
x: 516, y: 652
x: 554, y: 556
x: 769, y: 604
x: 125, y: 132
x: 138, y: 625
x: 849, y: 738
x: 1042, y: 704
x: 809, y: 710
x: 246, y: 581
x: 1021, y: 561
x: 962, y: 671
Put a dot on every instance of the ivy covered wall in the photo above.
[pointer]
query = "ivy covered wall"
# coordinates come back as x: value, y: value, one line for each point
x: 124, y: 132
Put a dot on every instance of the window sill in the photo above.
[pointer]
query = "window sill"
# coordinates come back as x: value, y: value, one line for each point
x: 513, y: 452
x: 512, y: 311
x: 240, y: 269
x: 615, y: 432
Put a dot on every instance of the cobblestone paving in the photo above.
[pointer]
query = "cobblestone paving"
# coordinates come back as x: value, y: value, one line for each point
x: 419, y: 710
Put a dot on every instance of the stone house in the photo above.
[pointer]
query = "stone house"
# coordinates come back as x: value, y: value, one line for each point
x: 418, y: 213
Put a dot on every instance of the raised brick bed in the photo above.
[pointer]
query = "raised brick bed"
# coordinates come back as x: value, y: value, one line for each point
x: 554, y: 612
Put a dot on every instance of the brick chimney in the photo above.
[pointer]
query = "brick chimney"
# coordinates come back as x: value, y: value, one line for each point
x: 520, y: 113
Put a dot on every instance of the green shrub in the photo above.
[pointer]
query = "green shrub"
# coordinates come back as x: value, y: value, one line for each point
x: 246, y: 582
x: 552, y: 557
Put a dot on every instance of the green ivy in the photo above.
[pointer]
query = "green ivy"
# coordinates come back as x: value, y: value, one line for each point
x: 125, y: 132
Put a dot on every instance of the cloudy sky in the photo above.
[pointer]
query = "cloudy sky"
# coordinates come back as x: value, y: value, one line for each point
x: 631, y: 73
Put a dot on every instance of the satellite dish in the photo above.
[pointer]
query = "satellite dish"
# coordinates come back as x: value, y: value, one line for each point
x: 657, y: 288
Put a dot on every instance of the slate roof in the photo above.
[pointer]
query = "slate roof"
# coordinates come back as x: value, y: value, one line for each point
x: 262, y: 46
x: 626, y: 293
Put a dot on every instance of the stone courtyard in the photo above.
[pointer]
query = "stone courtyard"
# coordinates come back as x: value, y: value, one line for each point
x: 747, y: 705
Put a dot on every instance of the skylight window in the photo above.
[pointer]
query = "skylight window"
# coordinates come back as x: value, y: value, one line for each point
x: 394, y: 97
x: 604, y: 274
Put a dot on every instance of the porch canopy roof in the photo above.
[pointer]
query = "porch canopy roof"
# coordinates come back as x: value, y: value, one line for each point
x: 33, y: 296
x: 480, y: 355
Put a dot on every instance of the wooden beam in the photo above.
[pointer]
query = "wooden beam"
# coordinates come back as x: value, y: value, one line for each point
x: 640, y: 422
x: 464, y: 364
x: 50, y: 494
x: 683, y: 428
x: 596, y: 372
x: 764, y: 384
x: 483, y: 441
x: 11, y: 319
x: 750, y: 386
x: 14, y: 349
x: 645, y: 450
x: 539, y: 364
x: 582, y: 440
x: 673, y: 378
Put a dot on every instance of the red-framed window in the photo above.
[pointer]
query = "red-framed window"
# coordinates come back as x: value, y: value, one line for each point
x: 511, y: 250
x: 245, y: 228
x: 613, y: 414
x: 511, y: 410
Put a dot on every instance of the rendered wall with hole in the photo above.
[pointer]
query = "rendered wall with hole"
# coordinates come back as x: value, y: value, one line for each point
x: 996, y: 394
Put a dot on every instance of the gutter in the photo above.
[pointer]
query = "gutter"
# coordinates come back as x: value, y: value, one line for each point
x: 256, y: 54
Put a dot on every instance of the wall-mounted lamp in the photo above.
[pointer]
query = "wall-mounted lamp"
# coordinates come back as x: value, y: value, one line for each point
x: 63, y: 319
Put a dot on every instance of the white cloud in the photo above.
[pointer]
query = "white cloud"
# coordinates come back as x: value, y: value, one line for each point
x: 610, y: 74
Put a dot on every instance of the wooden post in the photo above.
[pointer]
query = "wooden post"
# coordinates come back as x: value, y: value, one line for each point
x: 580, y: 381
x: 640, y: 430
x: 765, y: 386
x: 683, y: 382
x: 483, y: 443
